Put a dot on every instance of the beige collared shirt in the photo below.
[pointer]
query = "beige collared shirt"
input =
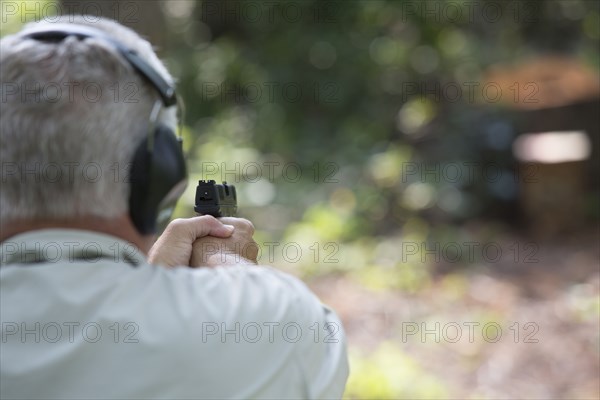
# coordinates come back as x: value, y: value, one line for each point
x: 83, y: 315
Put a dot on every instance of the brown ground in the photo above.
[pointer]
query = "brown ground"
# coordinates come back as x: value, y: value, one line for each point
x: 558, y: 295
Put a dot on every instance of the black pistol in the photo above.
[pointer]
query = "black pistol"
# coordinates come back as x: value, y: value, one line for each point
x: 215, y: 199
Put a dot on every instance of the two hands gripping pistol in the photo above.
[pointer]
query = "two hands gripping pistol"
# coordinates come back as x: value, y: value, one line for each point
x: 215, y: 199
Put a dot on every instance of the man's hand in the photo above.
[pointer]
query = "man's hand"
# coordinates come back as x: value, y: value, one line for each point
x: 174, y: 246
x: 239, y: 248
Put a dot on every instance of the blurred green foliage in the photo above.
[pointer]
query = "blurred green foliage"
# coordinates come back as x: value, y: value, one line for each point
x: 337, y: 93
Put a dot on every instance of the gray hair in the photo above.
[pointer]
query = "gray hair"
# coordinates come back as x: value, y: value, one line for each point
x: 73, y: 114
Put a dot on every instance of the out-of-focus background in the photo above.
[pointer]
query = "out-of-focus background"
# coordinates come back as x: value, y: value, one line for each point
x: 429, y: 168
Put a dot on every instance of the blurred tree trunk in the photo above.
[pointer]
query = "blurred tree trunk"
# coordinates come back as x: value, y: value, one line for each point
x: 145, y: 17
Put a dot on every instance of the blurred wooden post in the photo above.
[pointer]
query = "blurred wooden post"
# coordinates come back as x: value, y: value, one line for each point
x: 556, y: 104
x: 552, y: 190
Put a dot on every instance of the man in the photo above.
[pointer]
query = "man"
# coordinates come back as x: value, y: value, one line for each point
x: 91, y: 305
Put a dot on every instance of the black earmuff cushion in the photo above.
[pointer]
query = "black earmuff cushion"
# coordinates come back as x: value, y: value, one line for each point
x: 158, y: 178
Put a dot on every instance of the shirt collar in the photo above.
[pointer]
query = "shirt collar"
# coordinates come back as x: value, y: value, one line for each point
x: 67, y: 245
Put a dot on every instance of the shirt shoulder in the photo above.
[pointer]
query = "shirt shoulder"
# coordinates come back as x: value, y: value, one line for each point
x: 245, y: 293
x: 263, y: 326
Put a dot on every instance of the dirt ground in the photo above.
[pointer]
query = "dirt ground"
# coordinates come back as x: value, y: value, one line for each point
x: 547, y: 314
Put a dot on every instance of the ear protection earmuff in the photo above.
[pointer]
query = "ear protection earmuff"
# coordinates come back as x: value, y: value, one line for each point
x: 158, y: 174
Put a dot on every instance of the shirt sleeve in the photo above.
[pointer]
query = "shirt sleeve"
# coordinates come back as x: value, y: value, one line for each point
x: 325, y: 361
x: 267, y: 333
x: 321, y: 354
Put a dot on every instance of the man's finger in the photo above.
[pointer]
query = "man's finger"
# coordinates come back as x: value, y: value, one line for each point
x: 240, y: 223
x: 198, y: 227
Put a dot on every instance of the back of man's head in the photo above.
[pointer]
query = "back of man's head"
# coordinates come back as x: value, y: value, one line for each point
x: 73, y: 113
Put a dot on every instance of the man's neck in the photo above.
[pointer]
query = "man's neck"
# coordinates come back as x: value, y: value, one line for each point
x: 121, y: 227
